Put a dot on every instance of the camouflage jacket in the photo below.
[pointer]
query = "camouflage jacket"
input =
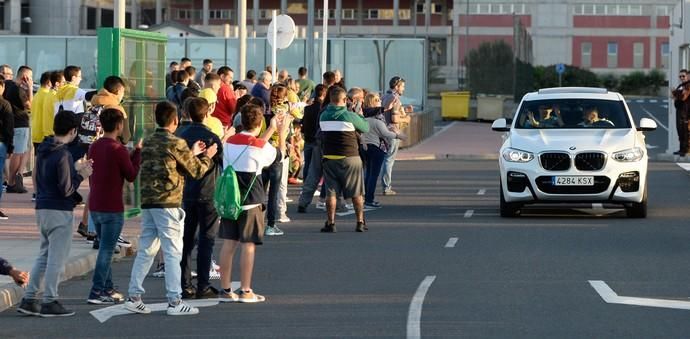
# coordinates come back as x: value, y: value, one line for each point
x: 166, y: 160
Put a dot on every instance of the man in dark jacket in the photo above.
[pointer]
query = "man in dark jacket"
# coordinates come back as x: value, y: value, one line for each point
x: 57, y: 179
x: 197, y: 201
x: 6, y: 133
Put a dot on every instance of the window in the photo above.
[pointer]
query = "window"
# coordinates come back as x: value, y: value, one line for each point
x: 638, y: 55
x: 635, y: 10
x: 483, y: 8
x: 331, y: 14
x: 404, y: 14
x: 184, y: 14
x: 663, y: 10
x: 218, y: 14
x: 373, y: 14
x: 586, y: 54
x: 665, y: 51
x: 612, y: 55
x: 348, y: 14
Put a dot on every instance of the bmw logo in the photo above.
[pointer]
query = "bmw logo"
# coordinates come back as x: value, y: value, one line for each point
x: 572, y: 148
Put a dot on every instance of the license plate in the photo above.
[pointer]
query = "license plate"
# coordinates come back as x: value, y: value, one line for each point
x: 573, y: 181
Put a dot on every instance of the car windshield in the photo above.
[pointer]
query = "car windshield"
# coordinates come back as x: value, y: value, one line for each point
x: 572, y: 113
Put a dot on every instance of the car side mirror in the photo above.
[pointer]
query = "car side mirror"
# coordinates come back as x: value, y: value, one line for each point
x: 646, y: 125
x: 500, y: 125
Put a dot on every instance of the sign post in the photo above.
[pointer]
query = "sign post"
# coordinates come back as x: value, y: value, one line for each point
x: 560, y: 69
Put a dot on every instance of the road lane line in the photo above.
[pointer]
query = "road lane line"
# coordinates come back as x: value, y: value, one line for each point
x: 451, y: 243
x: 684, y: 165
x: 652, y: 101
x: 655, y: 119
x: 611, y: 297
x: 639, y: 101
x: 482, y: 191
x: 468, y: 213
x: 414, y: 315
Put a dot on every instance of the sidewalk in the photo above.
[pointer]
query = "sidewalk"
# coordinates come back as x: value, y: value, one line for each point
x: 457, y: 140
x: 19, y: 242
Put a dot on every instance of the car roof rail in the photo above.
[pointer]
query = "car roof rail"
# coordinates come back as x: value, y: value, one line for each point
x: 564, y: 90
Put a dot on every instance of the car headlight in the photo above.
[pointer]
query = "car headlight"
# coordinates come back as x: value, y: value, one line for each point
x: 516, y: 155
x: 628, y: 155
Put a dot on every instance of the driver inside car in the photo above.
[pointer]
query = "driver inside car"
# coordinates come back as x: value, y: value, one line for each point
x: 548, y: 118
x: 591, y: 119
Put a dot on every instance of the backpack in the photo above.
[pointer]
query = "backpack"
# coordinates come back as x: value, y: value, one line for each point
x: 226, y: 197
x: 90, y: 124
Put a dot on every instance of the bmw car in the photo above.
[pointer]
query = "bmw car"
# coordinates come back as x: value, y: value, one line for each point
x: 573, y: 145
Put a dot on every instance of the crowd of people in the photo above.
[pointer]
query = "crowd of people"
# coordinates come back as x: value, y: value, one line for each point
x: 272, y: 132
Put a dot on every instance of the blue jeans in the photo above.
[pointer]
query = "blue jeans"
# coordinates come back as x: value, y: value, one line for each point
x: 308, y: 151
x: 3, y: 157
x: 272, y: 176
x: 387, y: 170
x: 55, y: 228
x: 108, y: 227
x: 375, y: 157
x: 159, y: 227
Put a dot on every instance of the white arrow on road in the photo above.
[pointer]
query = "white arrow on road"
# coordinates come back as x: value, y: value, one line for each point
x: 103, y: 314
x: 598, y: 210
x: 611, y: 297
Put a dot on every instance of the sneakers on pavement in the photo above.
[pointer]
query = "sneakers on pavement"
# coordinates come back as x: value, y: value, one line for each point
x: 100, y: 299
x: 207, y: 293
x: 321, y: 205
x: 250, y: 297
x: 160, y: 272
x: 373, y: 204
x: 328, y: 228
x: 116, y: 295
x: 90, y: 237
x: 3, y: 216
x: 83, y: 230
x: 136, y: 306
x: 389, y: 192
x: 214, y: 274
x: 54, y: 309
x: 273, y: 230
x: 122, y: 242
x: 228, y: 296
x: 189, y: 293
x: 29, y: 307
x: 349, y: 206
x: 361, y: 226
x: 96, y: 244
x: 284, y: 219
x: 182, y: 309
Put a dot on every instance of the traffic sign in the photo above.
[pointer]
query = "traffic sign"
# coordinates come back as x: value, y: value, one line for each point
x: 560, y: 68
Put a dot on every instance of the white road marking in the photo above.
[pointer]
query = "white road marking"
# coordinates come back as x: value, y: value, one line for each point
x: 451, y: 243
x: 342, y: 214
x: 652, y: 101
x: 684, y: 165
x: 664, y: 106
x: 639, y: 101
x: 482, y: 191
x: 468, y: 213
x: 651, y: 146
x: 414, y: 315
x: 611, y: 297
x: 655, y: 119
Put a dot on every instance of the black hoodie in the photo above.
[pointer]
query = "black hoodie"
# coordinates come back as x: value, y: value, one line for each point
x: 56, y: 178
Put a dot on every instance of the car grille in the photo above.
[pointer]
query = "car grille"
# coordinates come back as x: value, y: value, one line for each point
x: 593, y: 161
x: 555, y: 161
x: 545, y: 184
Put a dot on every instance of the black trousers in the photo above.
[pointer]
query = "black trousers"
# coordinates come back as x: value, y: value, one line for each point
x: 682, y: 129
x: 202, y: 216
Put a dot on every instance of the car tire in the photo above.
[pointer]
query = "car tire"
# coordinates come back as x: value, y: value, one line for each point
x: 638, y: 209
x: 508, y: 209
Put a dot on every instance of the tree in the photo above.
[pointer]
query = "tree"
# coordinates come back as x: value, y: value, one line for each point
x: 490, y: 68
x: 546, y: 76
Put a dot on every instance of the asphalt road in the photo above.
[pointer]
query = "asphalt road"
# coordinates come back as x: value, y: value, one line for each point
x: 502, y: 278
x: 655, y: 109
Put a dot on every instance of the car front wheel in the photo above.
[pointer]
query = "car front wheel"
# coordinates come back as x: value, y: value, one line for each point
x: 638, y: 209
x: 508, y: 209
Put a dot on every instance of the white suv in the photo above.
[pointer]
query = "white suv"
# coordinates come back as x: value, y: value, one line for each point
x: 573, y: 145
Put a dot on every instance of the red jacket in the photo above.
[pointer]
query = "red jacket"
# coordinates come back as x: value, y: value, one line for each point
x: 225, y: 107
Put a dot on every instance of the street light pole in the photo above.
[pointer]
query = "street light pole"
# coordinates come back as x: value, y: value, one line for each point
x: 467, y: 45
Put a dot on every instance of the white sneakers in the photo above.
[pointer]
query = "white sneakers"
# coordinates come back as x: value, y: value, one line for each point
x: 181, y: 308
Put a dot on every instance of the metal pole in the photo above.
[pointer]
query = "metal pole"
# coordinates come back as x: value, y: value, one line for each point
x: 324, y: 38
x: 255, y: 15
x: 274, y: 47
x: 134, y: 9
x: 311, y: 7
x: 159, y: 12
x: 119, y: 14
x: 396, y: 13
x: 283, y: 6
x: 338, y: 15
x: 467, y: 44
x: 427, y: 16
x: 243, y: 37
x: 205, y: 13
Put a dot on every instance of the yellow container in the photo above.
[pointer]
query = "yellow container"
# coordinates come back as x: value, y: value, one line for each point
x: 455, y: 105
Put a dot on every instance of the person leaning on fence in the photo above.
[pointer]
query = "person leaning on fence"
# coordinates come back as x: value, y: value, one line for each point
x: 166, y: 161
x: 248, y: 156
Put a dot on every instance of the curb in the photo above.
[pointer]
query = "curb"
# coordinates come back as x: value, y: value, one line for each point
x: 11, y: 294
x: 443, y: 156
